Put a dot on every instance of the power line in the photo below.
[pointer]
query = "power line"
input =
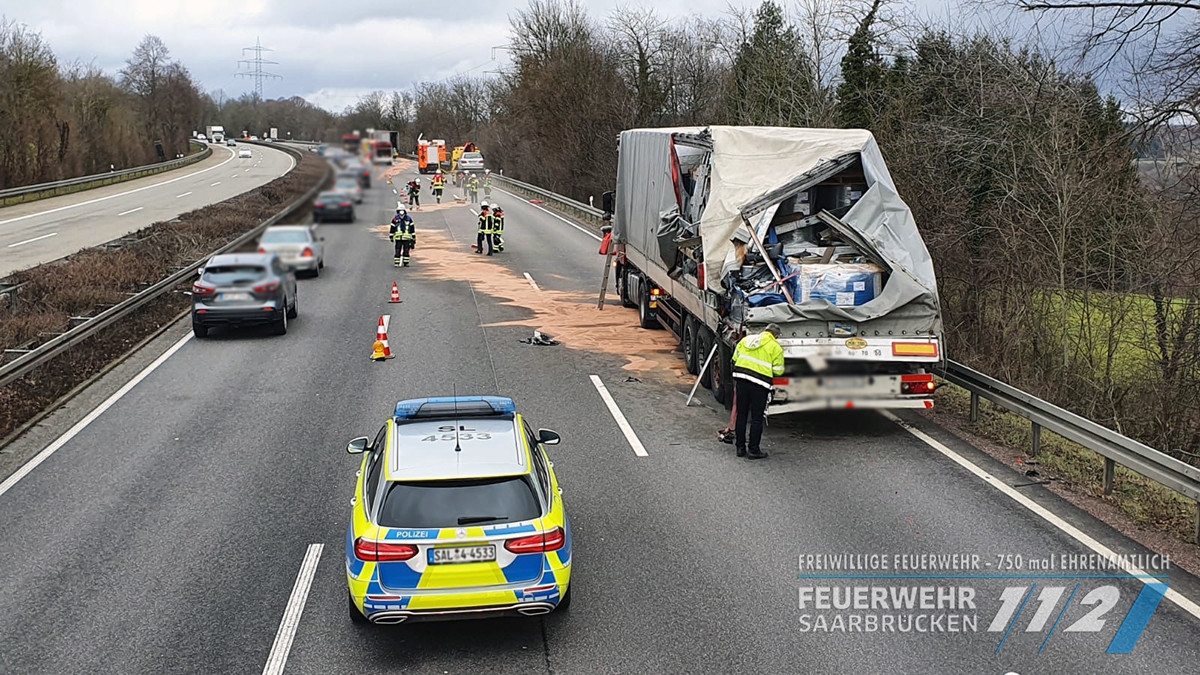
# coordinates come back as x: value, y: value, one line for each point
x: 257, y: 74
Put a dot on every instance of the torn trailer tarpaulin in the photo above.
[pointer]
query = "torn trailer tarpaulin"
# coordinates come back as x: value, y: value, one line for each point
x: 757, y: 168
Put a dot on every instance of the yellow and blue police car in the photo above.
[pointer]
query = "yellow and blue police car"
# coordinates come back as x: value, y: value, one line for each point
x: 457, y: 514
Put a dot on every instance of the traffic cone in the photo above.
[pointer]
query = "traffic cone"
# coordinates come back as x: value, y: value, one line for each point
x: 381, y: 349
x: 395, y: 293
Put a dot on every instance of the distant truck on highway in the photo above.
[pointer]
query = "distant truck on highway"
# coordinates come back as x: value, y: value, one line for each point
x: 718, y: 231
x: 215, y: 133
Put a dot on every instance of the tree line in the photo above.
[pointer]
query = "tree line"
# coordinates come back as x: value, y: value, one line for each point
x: 66, y: 120
x: 1062, y: 269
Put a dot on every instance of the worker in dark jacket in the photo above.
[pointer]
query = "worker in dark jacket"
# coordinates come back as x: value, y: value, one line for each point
x: 757, y: 361
x: 487, y: 226
x: 402, y: 225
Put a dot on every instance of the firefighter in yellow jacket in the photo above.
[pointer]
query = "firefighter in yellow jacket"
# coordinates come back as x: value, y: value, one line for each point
x: 757, y: 361
x: 487, y: 226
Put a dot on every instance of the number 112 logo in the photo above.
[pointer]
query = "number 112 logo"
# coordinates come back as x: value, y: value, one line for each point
x: 1016, y: 600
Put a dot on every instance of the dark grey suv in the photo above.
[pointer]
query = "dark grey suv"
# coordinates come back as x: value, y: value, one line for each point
x: 242, y: 289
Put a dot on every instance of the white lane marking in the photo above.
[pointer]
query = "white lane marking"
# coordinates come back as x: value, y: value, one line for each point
x: 291, y: 614
x: 120, y: 194
x: 125, y: 213
x: 215, y: 184
x: 394, y: 191
x: 27, y: 241
x: 532, y: 282
x: 638, y: 448
x: 234, y: 176
x: 1041, y: 511
x: 574, y: 225
x: 183, y: 195
x: 91, y: 417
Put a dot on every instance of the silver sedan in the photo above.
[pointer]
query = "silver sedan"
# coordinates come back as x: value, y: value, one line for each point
x: 298, y: 247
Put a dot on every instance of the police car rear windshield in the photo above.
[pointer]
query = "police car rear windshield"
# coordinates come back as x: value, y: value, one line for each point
x: 428, y: 505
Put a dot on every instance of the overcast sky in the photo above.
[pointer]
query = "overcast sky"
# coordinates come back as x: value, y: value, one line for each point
x: 327, y: 52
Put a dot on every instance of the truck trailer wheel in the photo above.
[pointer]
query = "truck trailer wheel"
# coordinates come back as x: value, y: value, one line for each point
x: 623, y: 289
x: 721, y: 381
x: 690, y: 346
x: 704, y: 343
x: 646, y: 318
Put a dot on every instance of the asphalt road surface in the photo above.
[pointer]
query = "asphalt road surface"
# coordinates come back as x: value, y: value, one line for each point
x: 168, y: 534
x: 48, y: 229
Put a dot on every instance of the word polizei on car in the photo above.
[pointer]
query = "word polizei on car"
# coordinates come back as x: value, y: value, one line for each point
x: 457, y: 514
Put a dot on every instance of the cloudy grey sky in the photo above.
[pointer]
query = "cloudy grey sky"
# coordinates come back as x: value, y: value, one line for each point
x: 328, y: 52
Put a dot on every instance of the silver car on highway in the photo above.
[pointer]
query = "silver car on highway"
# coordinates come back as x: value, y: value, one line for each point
x: 298, y: 247
x: 351, y: 186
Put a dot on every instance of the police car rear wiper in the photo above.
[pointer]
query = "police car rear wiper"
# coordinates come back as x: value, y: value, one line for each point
x: 467, y: 520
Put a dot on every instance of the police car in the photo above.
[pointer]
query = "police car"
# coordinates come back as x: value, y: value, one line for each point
x: 457, y: 513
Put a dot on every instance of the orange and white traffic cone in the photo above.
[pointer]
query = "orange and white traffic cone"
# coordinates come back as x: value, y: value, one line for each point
x: 395, y: 293
x: 381, y: 349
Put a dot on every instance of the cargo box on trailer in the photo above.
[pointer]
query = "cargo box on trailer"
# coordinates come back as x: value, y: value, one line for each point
x: 718, y: 231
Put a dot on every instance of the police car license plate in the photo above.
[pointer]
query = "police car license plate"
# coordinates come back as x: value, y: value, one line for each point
x: 462, y: 554
x: 235, y: 296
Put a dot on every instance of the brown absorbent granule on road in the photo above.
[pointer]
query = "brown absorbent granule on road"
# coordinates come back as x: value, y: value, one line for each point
x: 570, y: 318
x: 399, y: 167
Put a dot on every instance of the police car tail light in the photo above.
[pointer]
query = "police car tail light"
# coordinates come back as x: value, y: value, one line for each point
x: 383, y: 551
x: 538, y: 543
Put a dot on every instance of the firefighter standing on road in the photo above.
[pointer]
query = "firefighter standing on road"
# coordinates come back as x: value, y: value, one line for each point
x: 473, y: 188
x: 487, y: 226
x: 414, y: 193
x: 439, y: 182
x: 403, y: 233
x: 497, y: 227
x: 487, y: 183
x: 757, y: 361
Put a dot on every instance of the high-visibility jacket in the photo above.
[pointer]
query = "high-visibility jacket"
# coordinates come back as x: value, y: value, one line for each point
x: 759, y: 359
x: 405, y: 231
x: 487, y: 223
x: 498, y: 221
x: 438, y: 181
x: 473, y: 184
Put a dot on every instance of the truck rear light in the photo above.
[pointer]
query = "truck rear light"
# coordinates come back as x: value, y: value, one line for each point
x: 656, y: 292
x: 306, y: 253
x: 918, y: 387
x: 914, y: 349
x: 269, y: 287
x: 383, y: 551
x: 538, y: 543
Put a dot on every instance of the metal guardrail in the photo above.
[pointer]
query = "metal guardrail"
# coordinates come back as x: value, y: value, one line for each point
x: 27, y: 193
x: 1115, y: 448
x: 18, y: 367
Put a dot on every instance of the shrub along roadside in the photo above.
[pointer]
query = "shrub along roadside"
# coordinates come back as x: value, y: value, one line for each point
x: 88, y: 282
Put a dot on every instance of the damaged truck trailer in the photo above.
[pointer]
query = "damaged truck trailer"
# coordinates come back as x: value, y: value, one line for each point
x: 718, y: 231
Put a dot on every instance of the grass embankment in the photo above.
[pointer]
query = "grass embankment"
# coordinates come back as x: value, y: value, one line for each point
x: 94, y: 279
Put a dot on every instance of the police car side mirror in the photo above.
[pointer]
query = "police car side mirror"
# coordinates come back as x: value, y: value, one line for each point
x: 548, y: 437
x: 358, y: 445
